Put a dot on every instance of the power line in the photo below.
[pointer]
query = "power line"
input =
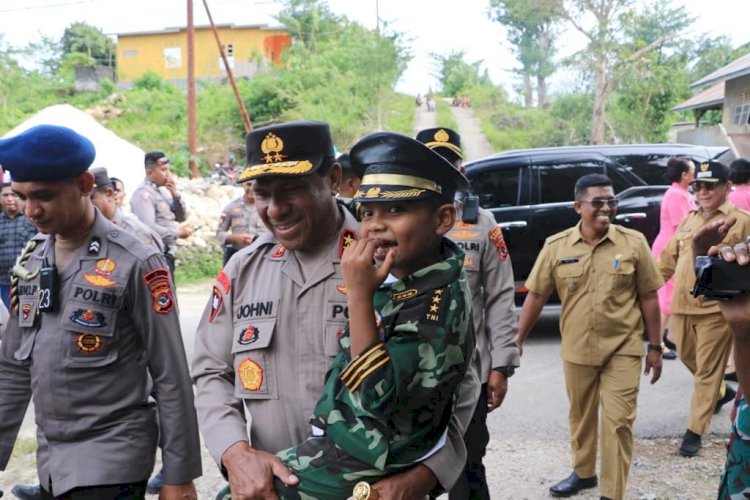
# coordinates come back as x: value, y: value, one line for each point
x: 47, y: 6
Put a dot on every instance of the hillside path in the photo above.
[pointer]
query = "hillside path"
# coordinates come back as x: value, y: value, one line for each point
x: 473, y: 142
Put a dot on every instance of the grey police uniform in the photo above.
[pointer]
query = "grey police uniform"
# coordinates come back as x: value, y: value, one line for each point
x: 239, y: 217
x: 265, y: 341
x: 87, y: 364
x: 130, y: 222
x: 158, y: 212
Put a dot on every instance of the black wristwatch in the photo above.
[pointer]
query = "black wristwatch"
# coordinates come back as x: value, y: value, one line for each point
x: 507, y: 370
x: 656, y: 347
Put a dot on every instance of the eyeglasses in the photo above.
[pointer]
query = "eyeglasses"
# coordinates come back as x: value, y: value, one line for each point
x: 699, y: 185
x: 597, y: 203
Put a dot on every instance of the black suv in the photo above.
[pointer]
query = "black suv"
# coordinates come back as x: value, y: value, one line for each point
x: 530, y: 192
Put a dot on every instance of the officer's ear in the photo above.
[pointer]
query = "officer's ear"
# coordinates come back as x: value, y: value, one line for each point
x: 333, y: 175
x: 85, y: 183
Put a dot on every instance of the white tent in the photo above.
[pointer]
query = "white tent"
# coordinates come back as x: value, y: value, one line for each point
x: 121, y: 159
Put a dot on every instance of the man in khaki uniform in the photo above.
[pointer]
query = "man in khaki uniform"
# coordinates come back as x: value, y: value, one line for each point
x: 607, y: 281
x: 94, y: 320
x: 157, y: 211
x: 702, y: 335
x: 488, y: 267
x: 239, y: 223
x: 272, y: 325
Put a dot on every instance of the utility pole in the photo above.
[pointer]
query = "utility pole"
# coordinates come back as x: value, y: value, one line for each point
x: 380, y: 90
x: 194, y: 172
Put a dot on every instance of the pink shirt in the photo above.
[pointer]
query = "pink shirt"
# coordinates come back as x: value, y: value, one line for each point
x: 740, y: 196
x: 675, y: 205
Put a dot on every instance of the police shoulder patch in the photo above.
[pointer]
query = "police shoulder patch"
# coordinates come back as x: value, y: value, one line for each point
x: 159, y: 283
x: 216, y: 299
x: 498, y: 241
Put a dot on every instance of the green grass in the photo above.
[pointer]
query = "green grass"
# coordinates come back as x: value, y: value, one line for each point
x: 196, y: 265
x: 399, y: 114
x: 24, y: 446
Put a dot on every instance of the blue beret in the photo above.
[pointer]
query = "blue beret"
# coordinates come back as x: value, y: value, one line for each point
x: 46, y: 153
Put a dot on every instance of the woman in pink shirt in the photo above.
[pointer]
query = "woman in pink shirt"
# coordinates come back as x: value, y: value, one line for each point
x: 675, y: 205
x: 740, y: 176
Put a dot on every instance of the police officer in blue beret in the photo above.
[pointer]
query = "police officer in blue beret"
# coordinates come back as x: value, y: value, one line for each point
x: 93, y: 315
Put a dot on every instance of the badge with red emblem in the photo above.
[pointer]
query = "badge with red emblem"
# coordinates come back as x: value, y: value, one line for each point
x: 251, y: 375
x: 102, y: 271
x: 25, y: 311
x: 279, y: 252
x: 347, y: 238
x: 161, y: 290
x: 88, y: 343
x: 88, y: 318
x: 248, y: 335
x: 216, y: 299
x: 496, y: 238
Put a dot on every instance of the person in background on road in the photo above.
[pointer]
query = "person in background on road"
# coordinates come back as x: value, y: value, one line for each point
x: 272, y: 326
x: 15, y: 230
x: 488, y: 268
x: 675, y: 205
x: 607, y: 281
x: 155, y: 209
x: 413, y: 308
x: 702, y: 334
x: 350, y: 179
x: 119, y: 188
x: 239, y: 223
x: 735, y: 481
x: 93, y: 316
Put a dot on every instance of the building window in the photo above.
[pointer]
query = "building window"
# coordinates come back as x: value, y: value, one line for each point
x: 228, y: 50
x: 130, y: 53
x: 172, y: 57
x: 741, y: 107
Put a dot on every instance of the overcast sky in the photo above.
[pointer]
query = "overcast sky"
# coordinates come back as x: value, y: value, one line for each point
x: 429, y: 26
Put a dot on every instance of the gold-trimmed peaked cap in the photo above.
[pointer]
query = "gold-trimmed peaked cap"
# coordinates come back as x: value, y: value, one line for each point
x: 397, y: 167
x: 711, y: 171
x: 295, y: 148
x: 445, y: 141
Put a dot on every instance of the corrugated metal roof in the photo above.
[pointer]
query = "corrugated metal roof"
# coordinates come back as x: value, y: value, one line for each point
x: 712, y: 97
x: 177, y: 29
x: 738, y: 67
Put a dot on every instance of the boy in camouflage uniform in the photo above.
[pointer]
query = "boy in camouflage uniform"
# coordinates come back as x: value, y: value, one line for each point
x: 390, y: 392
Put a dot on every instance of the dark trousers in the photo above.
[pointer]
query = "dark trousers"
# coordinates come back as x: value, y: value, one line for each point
x: 472, y: 483
x: 127, y: 491
x: 228, y: 252
x: 170, y: 263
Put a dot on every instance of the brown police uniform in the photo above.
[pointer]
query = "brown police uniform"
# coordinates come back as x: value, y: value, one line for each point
x: 158, y: 212
x: 601, y: 327
x: 701, y: 333
x: 87, y: 364
x: 239, y: 217
x: 264, y: 344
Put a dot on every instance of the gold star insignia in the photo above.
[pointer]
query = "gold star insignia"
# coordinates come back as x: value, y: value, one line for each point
x: 439, y: 291
x: 348, y: 240
x: 436, y: 299
x: 433, y: 309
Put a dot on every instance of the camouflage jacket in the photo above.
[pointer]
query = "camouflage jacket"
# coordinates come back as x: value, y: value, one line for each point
x: 391, y: 404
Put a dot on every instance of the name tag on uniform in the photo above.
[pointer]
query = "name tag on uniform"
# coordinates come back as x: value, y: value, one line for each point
x: 569, y: 260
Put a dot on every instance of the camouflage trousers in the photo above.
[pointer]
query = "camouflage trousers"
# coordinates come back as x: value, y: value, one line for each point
x: 325, y: 471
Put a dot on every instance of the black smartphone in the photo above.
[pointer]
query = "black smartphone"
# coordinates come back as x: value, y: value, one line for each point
x: 719, y: 280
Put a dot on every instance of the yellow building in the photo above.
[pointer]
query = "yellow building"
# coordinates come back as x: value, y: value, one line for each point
x: 165, y: 52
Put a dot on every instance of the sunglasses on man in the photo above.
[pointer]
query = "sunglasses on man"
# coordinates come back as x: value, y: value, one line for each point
x: 599, y: 203
x: 696, y: 186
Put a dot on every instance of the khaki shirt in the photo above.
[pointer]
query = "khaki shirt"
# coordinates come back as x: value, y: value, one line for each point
x: 488, y: 268
x: 264, y: 343
x: 87, y: 365
x: 153, y: 208
x: 598, y: 288
x: 677, y: 257
x: 239, y: 217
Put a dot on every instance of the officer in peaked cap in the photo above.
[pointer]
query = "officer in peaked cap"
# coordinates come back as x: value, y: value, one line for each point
x: 394, y: 166
x: 701, y: 332
x: 269, y: 331
x: 444, y: 141
x: 94, y: 315
x: 488, y: 267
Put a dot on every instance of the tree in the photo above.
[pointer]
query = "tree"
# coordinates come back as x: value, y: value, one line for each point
x: 86, y: 39
x: 531, y: 28
x: 456, y: 75
x: 610, y: 53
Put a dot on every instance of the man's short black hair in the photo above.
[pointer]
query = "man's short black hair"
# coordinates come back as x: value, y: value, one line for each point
x: 5, y: 185
x: 152, y: 157
x: 740, y: 171
x: 115, y: 180
x: 588, y: 181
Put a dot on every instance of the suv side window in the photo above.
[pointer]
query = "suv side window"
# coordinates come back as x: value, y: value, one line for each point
x: 497, y: 188
x: 649, y: 167
x: 556, y: 180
